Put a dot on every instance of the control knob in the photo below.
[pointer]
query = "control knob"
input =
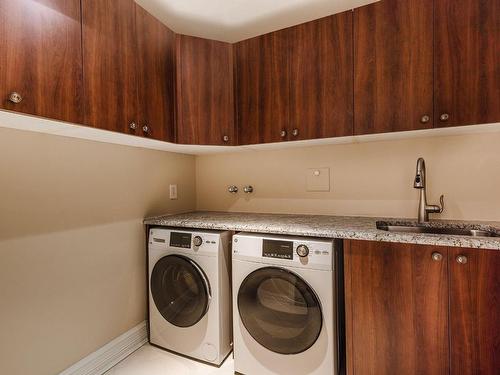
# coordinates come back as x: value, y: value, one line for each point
x: 197, y: 241
x: 302, y: 251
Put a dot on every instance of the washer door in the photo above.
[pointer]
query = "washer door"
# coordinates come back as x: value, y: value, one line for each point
x: 180, y: 290
x: 280, y: 310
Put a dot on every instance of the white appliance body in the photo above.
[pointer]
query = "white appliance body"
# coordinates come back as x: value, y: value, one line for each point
x: 189, y: 292
x: 275, y: 332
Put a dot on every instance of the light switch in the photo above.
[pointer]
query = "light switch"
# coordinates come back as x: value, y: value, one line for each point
x: 318, y: 179
x: 173, y: 191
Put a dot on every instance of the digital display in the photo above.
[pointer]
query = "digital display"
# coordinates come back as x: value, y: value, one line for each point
x: 277, y: 249
x: 182, y: 240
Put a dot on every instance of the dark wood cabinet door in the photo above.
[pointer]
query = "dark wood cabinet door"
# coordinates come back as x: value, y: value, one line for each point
x: 467, y: 55
x: 321, y: 81
x: 205, y: 91
x: 396, y: 309
x: 393, y: 66
x: 41, y: 58
x: 156, y: 75
x: 110, y: 64
x: 262, y: 88
x: 474, y: 311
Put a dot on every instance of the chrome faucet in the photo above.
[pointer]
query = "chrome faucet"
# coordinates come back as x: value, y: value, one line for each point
x: 425, y: 209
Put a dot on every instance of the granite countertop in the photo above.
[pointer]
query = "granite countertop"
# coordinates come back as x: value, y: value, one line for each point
x: 344, y: 227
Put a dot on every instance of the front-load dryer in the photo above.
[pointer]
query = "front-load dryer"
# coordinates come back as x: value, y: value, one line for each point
x: 189, y: 292
x: 284, y: 305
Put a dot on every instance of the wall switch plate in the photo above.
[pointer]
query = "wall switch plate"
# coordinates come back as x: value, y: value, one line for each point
x: 318, y: 179
x: 173, y: 191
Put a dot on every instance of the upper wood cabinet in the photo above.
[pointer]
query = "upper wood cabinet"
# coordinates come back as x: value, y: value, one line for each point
x: 40, y: 58
x: 156, y: 79
x: 396, y: 309
x: 467, y: 68
x: 205, y: 91
x: 262, y: 88
x: 414, y: 309
x: 321, y: 79
x: 110, y: 64
x: 474, y: 311
x: 393, y: 66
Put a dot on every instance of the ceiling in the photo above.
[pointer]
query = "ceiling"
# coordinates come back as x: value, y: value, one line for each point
x: 235, y: 20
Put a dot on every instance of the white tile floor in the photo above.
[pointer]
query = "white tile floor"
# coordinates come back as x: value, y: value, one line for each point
x: 149, y: 360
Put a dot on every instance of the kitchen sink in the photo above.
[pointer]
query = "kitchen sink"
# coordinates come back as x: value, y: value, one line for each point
x: 416, y: 228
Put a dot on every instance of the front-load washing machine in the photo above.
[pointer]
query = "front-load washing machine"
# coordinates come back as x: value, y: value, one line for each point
x: 189, y: 292
x: 284, y: 305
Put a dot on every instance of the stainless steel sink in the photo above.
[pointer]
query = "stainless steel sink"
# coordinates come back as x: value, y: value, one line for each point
x: 410, y: 228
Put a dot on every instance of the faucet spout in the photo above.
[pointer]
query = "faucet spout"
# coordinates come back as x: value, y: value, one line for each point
x: 424, y: 209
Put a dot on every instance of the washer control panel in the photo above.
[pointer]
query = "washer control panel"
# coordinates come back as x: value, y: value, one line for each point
x: 183, y: 241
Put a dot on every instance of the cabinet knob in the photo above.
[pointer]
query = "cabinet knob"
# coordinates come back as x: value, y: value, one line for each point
x: 248, y: 189
x: 15, y: 97
x: 146, y: 129
x: 462, y: 259
x: 232, y: 189
x: 295, y: 132
x: 132, y: 126
x: 444, y: 117
x: 283, y: 134
x: 425, y: 119
x: 225, y: 138
x: 437, y: 257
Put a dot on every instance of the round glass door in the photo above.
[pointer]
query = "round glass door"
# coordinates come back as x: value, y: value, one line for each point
x: 280, y: 310
x: 180, y: 290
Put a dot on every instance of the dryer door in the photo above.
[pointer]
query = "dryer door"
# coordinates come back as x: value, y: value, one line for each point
x: 280, y: 310
x: 180, y: 290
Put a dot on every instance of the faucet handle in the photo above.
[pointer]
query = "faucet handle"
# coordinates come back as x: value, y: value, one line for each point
x: 441, y: 200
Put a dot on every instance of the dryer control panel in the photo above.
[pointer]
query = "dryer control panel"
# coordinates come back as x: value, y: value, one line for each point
x: 303, y: 252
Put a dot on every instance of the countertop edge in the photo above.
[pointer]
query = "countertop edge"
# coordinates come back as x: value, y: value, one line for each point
x: 318, y: 226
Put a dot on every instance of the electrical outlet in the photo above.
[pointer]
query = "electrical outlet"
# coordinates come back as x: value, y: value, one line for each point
x: 318, y: 179
x: 173, y: 191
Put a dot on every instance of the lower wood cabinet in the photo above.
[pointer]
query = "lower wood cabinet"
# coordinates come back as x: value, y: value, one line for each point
x: 414, y: 309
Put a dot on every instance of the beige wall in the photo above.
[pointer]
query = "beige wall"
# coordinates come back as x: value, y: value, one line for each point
x: 72, y: 244
x: 368, y: 179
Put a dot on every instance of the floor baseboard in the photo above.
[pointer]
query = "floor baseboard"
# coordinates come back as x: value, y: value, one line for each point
x: 100, y: 361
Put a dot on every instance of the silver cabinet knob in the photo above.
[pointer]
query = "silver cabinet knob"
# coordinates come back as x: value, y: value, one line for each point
x: 225, y: 138
x: 132, y: 126
x: 425, y: 119
x: 232, y: 189
x: 437, y: 257
x: 146, y: 129
x: 462, y: 259
x: 302, y: 251
x: 283, y: 134
x: 15, y: 97
x: 248, y: 189
x: 197, y: 241
x: 295, y: 132
x: 444, y: 117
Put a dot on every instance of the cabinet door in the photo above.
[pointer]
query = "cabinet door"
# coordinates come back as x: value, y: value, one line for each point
x: 156, y: 46
x: 396, y: 308
x: 474, y: 311
x: 205, y: 105
x: 109, y: 64
x: 41, y: 58
x: 467, y: 69
x: 393, y: 66
x: 321, y: 82
x: 262, y: 88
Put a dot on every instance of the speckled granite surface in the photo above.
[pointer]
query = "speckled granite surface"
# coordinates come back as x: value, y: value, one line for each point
x: 346, y: 227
